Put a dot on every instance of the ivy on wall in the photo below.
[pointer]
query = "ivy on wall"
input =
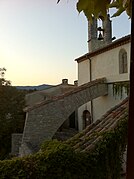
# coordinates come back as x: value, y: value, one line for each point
x: 120, y: 87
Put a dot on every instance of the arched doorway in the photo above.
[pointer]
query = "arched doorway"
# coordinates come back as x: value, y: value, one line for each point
x: 86, y: 118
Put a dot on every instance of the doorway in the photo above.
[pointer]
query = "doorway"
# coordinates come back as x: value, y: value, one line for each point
x: 86, y: 118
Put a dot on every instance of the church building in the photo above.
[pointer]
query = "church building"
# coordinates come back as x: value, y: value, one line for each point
x: 103, y: 82
x: 107, y: 58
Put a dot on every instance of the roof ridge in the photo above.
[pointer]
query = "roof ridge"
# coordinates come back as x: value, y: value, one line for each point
x: 59, y: 97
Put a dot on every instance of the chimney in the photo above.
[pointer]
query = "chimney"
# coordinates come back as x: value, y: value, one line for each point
x: 64, y: 81
x: 76, y: 82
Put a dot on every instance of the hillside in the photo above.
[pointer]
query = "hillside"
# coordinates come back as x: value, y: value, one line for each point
x: 39, y: 87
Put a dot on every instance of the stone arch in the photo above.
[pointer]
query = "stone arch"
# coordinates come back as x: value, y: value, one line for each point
x: 123, y: 64
x: 70, y: 122
x: 44, y: 119
x: 86, y: 118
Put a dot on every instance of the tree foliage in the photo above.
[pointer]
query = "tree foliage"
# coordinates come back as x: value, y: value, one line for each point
x: 59, y: 160
x: 99, y: 8
x: 11, y: 113
x: 3, y: 81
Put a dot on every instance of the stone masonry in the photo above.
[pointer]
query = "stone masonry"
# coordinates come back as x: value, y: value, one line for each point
x: 44, y: 119
x: 16, y: 142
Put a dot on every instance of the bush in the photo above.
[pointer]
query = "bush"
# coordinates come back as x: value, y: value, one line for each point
x: 59, y: 160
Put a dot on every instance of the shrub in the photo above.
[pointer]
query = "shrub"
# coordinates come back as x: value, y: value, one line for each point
x: 59, y: 160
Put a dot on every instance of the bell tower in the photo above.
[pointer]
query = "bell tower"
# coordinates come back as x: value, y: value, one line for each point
x: 107, y: 25
x: 99, y: 37
x: 92, y: 34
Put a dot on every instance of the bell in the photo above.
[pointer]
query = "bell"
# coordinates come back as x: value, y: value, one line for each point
x: 100, y: 36
x: 100, y: 29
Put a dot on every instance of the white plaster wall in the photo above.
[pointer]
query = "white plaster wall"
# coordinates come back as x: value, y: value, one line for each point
x: 83, y: 72
x: 107, y: 65
x: 103, y: 65
x: 83, y: 77
x: 102, y: 104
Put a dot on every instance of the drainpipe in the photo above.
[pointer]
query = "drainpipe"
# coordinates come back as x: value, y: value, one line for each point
x: 92, y: 35
x: 90, y: 73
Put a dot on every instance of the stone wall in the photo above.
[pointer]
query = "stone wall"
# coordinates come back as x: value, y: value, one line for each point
x: 16, y: 143
x: 44, y: 119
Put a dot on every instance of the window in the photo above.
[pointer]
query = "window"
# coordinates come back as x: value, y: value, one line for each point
x: 123, y: 61
x: 86, y: 118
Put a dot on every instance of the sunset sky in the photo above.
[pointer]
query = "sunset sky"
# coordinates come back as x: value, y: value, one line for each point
x: 39, y: 40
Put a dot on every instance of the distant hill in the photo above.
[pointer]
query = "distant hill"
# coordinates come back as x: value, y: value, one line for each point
x: 39, y: 87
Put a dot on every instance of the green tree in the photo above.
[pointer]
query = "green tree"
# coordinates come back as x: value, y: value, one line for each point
x: 3, y: 81
x: 11, y: 113
x: 99, y: 8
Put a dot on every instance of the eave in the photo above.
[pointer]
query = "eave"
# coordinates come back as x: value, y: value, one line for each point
x: 115, y: 44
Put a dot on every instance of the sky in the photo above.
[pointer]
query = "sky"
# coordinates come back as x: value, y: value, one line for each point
x: 39, y: 40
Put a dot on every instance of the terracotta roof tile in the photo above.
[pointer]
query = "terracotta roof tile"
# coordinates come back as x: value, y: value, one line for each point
x: 87, y: 139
